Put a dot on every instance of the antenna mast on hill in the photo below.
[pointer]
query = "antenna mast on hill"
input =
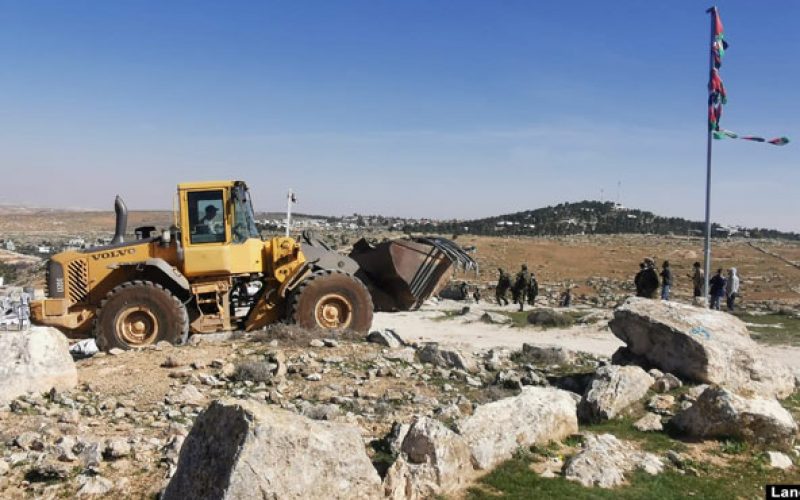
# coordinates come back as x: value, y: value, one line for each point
x: 619, y: 192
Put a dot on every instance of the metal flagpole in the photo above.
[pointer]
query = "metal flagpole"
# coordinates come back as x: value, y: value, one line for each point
x: 707, y: 262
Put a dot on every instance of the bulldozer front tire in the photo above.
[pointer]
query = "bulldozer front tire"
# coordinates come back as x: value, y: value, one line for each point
x: 137, y: 314
x: 333, y: 301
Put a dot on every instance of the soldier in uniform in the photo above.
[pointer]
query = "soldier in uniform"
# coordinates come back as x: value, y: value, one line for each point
x: 521, y: 283
x: 503, y: 284
x: 533, y: 290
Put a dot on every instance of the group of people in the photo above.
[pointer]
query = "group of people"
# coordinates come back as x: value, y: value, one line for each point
x: 719, y: 286
x: 524, y: 288
x: 647, y: 283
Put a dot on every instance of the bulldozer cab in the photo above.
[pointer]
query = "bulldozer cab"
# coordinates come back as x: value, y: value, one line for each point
x: 218, y: 229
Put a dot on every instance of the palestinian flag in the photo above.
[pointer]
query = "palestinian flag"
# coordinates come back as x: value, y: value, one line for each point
x: 717, y: 97
x: 727, y: 134
x: 718, y: 43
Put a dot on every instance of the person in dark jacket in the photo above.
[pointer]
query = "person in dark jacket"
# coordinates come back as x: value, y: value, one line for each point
x: 637, y: 280
x: 666, y: 280
x: 566, y: 298
x: 717, y: 289
x: 521, y: 283
x: 533, y: 290
x: 648, y: 279
x: 464, y: 290
x: 503, y: 284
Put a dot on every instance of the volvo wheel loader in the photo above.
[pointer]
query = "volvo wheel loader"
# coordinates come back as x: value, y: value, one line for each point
x: 211, y: 271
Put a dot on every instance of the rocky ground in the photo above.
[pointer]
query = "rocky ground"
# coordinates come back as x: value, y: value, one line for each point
x: 431, y: 418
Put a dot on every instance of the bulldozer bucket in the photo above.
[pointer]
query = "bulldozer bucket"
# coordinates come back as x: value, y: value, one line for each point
x: 401, y: 274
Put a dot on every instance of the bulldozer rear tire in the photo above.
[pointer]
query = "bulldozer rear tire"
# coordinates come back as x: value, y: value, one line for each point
x: 139, y: 313
x: 333, y: 301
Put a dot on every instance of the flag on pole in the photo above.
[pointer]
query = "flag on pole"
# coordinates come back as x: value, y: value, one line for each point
x: 717, y: 97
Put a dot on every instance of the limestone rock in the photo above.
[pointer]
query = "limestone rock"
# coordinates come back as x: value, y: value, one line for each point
x: 549, y: 318
x: 666, y: 383
x: 407, y: 354
x: 649, y: 422
x: 116, y: 448
x: 495, y: 318
x: 246, y: 450
x: 434, y: 461
x: 720, y: 413
x: 701, y: 345
x: 778, y: 460
x: 188, y: 395
x: 604, y: 460
x: 396, y: 436
x: 611, y: 390
x: 386, y: 337
x: 537, y: 415
x: 434, y: 354
x: 35, y: 361
x: 661, y: 404
x: 94, y: 486
x: 547, y: 355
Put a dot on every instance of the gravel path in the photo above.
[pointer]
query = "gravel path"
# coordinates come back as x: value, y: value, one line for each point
x: 423, y: 326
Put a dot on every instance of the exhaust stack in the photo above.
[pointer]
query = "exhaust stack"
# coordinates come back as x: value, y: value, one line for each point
x: 122, y: 220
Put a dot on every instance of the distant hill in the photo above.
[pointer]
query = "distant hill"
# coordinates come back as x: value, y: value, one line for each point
x: 591, y: 217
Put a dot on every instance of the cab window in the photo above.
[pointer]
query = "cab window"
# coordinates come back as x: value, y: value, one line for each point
x: 244, y: 220
x: 206, y: 217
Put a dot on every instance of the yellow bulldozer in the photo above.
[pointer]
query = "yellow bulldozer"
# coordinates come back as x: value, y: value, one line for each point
x: 212, y: 271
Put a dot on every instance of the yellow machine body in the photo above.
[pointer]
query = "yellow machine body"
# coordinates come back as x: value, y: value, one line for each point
x: 201, y: 260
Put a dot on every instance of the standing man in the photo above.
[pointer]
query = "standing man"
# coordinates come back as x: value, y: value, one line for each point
x: 666, y: 280
x: 649, y: 279
x: 637, y: 280
x: 464, y: 290
x: 717, y: 289
x: 698, y: 280
x: 533, y: 290
x: 732, y: 288
x: 503, y: 284
x: 521, y: 282
x: 566, y: 297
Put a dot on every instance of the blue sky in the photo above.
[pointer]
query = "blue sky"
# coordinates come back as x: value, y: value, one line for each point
x: 417, y: 108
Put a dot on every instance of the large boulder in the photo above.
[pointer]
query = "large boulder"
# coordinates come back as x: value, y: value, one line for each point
x: 35, y: 360
x: 604, y: 460
x: 720, y: 413
x: 446, y: 357
x: 248, y: 450
x: 537, y: 415
x: 433, y: 461
x: 611, y: 390
x: 699, y: 344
